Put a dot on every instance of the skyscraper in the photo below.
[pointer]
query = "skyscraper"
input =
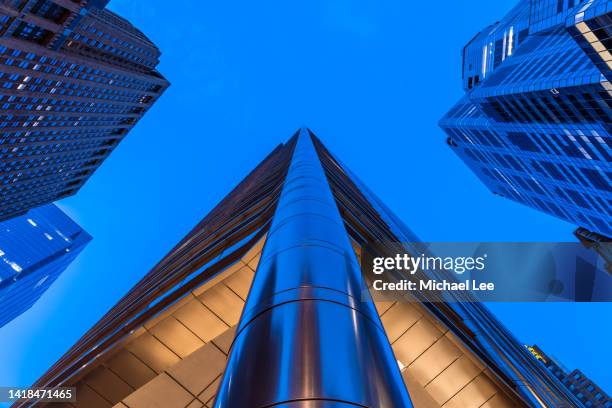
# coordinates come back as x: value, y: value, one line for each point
x: 585, y: 390
x: 34, y: 250
x: 535, y: 122
x: 75, y: 78
x: 263, y: 304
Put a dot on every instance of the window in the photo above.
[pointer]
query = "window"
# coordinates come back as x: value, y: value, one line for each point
x: 597, y: 179
x: 523, y: 141
x: 559, y: 6
x: 553, y: 171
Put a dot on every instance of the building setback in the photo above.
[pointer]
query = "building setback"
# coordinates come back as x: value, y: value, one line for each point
x: 34, y: 250
x: 535, y: 121
x: 74, y: 79
x: 263, y: 304
x: 589, y: 393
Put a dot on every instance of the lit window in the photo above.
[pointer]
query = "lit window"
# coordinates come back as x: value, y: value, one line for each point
x: 58, y: 232
x: 32, y: 223
x: 484, y: 61
x: 15, y: 267
x: 510, y: 40
x: 49, y: 237
x: 400, y: 365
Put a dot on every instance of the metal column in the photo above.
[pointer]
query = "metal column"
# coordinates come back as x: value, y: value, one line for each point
x: 306, y: 338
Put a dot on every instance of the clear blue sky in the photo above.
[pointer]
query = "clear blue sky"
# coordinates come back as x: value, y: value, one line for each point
x: 370, y: 78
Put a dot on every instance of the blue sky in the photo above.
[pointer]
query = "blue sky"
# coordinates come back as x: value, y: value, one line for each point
x: 370, y: 78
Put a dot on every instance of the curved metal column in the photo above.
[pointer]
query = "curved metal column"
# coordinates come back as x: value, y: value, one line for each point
x: 306, y: 339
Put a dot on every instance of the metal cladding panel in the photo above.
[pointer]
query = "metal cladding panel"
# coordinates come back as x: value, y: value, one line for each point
x: 309, y: 332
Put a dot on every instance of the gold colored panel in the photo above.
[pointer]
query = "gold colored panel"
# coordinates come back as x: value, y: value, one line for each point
x: 120, y: 405
x: 218, y: 278
x: 224, y: 303
x: 108, y: 384
x: 465, y: 351
x: 254, y: 251
x: 211, y: 402
x: 161, y: 392
x: 88, y: 398
x: 590, y: 37
x: 452, y: 380
x: 415, y: 341
x: 254, y: 262
x: 419, y: 397
x: 153, y: 353
x: 599, y: 47
x: 200, y: 320
x: 382, y: 306
x: 200, y: 369
x: 211, y: 390
x: 131, y: 369
x: 176, y: 337
x: 433, y: 361
x: 224, y: 341
x: 240, y: 281
x: 582, y: 27
x: 398, y: 319
x: 476, y: 393
x: 499, y: 400
x: 432, y: 319
x: 195, y: 404
x: 168, y: 311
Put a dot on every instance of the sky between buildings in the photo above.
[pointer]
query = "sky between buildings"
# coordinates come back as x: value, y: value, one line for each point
x: 371, y: 79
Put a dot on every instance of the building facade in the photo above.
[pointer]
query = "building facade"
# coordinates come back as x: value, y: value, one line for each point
x: 34, y: 250
x: 263, y: 304
x: 535, y: 121
x: 74, y: 79
x: 589, y: 393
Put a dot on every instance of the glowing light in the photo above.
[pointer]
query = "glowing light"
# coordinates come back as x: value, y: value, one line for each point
x: 484, y: 61
x: 510, y: 40
x: 400, y: 365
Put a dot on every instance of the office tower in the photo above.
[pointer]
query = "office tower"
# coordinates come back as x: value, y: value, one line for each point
x: 586, y: 390
x: 35, y: 249
x: 535, y: 121
x: 589, y: 393
x: 75, y: 78
x: 263, y: 304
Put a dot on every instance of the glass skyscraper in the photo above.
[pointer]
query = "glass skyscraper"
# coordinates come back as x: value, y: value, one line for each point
x: 263, y: 304
x: 535, y: 122
x: 35, y: 249
x: 74, y: 79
